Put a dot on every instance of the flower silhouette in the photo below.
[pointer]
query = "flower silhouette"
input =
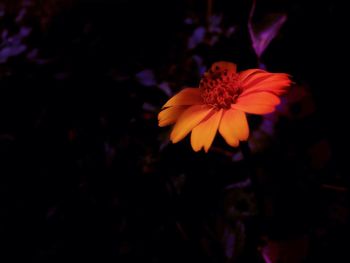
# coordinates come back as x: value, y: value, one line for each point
x: 220, y: 103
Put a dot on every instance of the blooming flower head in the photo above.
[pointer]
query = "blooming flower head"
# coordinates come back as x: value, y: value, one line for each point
x: 220, y: 103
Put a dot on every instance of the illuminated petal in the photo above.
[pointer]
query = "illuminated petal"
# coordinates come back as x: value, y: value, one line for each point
x: 254, y: 109
x: 246, y: 75
x: 188, y: 120
x: 237, y: 120
x: 188, y: 96
x: 204, y: 133
x: 234, y: 127
x: 257, y: 103
x: 276, y: 83
x: 170, y: 115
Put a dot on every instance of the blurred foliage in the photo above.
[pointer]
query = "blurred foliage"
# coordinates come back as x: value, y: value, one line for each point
x: 86, y: 172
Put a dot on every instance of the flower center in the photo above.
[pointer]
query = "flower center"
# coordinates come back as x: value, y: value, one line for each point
x: 220, y: 87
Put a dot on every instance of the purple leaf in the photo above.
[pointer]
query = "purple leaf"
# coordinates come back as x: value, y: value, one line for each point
x: 230, y: 31
x: 268, y: 124
x: 262, y: 65
x: 164, y: 144
x: 13, y: 46
x: 234, y: 240
x: 263, y: 32
x: 230, y: 243
x: 146, y: 78
x: 34, y: 56
x: 4, y: 34
x: 188, y: 21
x: 149, y: 107
x: 239, y: 185
x: 197, y: 37
x: 214, y: 24
x: 200, y: 64
x: 164, y: 86
x: 7, y: 52
x: 24, y: 32
x: 238, y: 157
x: 21, y: 15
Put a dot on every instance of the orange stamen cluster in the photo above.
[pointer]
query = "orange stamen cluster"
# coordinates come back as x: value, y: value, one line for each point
x: 220, y: 87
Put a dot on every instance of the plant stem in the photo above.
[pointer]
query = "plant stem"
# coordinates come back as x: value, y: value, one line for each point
x: 253, y: 177
x: 258, y: 220
x: 209, y: 10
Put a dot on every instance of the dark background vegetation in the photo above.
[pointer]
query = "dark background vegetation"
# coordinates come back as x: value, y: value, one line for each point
x: 86, y: 173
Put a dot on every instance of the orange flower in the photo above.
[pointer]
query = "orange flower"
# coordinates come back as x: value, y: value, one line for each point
x: 220, y: 103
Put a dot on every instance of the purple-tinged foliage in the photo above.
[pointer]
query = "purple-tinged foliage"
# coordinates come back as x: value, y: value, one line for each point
x: 164, y: 86
x: 263, y: 32
x: 13, y: 45
x: 82, y: 88
x: 197, y: 37
x: 146, y: 78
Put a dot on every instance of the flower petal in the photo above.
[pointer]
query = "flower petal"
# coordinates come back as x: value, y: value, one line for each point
x: 170, y: 115
x: 254, y: 109
x: 187, y: 96
x: 204, y: 133
x: 234, y: 127
x: 276, y: 83
x: 257, y: 103
x: 188, y: 120
x: 245, y: 75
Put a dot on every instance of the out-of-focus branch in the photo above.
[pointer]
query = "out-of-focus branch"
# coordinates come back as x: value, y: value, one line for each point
x: 209, y: 10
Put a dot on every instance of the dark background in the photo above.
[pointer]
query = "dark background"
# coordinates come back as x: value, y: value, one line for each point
x: 86, y: 173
